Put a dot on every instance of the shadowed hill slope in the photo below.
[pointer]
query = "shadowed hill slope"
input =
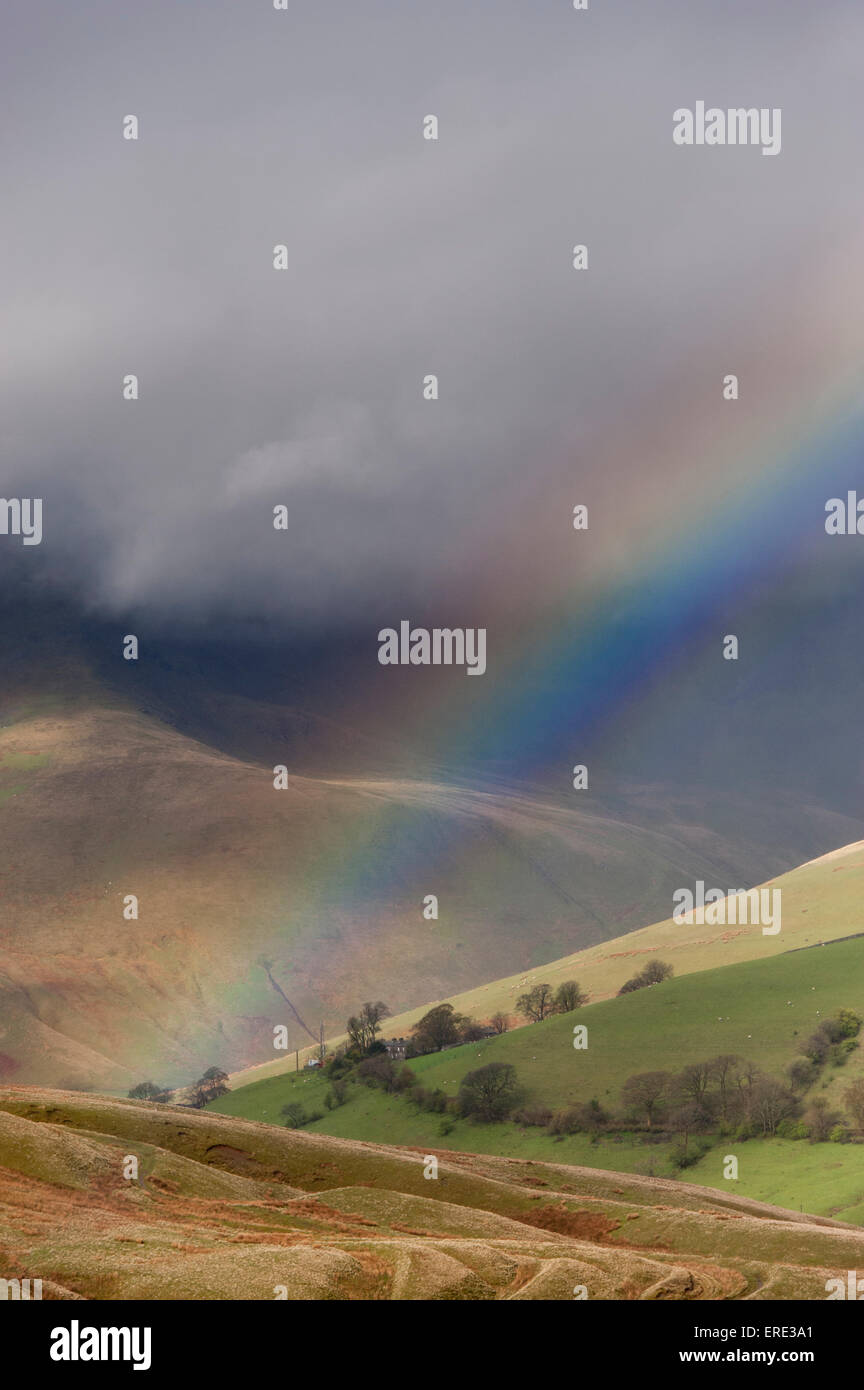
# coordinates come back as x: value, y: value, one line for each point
x: 321, y: 883
x: 157, y: 784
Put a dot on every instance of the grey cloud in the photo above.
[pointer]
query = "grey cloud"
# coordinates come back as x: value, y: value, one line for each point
x: 406, y: 258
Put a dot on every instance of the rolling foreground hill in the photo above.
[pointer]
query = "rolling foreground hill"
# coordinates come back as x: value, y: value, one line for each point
x: 226, y: 1208
x: 260, y: 907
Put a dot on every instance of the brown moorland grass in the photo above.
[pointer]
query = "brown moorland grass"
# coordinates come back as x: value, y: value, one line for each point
x: 334, y: 1219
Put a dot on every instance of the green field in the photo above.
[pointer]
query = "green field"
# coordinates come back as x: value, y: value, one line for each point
x: 759, y: 1010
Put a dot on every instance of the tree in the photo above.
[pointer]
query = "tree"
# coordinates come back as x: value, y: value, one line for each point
x: 771, y: 1102
x: 820, y: 1119
x: 654, y: 973
x: 537, y: 1004
x: 378, y: 1071
x: 210, y: 1086
x: 470, y: 1031
x: 440, y: 1027
x: 747, y: 1075
x: 801, y: 1073
x: 295, y: 1116
x: 631, y: 985
x: 145, y: 1090
x: 687, y: 1118
x: 588, y: 1118
x: 363, y: 1028
x: 500, y: 1022
x: 568, y: 996
x: 854, y: 1098
x: 850, y: 1023
x: 488, y: 1093
x: 818, y: 1045
x: 724, y: 1068
x: 644, y: 1092
x: 691, y: 1084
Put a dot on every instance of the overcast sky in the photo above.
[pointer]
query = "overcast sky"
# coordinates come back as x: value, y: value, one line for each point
x: 406, y: 257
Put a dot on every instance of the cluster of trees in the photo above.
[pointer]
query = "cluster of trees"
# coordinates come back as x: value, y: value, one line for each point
x: 440, y: 1027
x: 853, y: 1098
x: 735, y: 1096
x: 726, y: 1094
x: 444, y: 1027
x: 210, y: 1086
x: 587, y: 1118
x: 486, y: 1094
x: 832, y: 1042
x: 148, y: 1090
x: 654, y: 973
x: 542, y: 1001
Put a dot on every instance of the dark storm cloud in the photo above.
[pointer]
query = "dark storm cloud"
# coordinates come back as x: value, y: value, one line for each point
x: 406, y: 257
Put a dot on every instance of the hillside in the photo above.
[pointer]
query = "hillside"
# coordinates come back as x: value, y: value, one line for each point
x: 822, y: 900
x: 225, y: 1208
x: 758, y: 1010
x: 248, y: 896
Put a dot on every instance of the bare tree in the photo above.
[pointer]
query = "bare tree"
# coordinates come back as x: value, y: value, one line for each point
x: 537, y: 1004
x: 746, y: 1079
x: 645, y: 1091
x: 691, y: 1084
x: 723, y: 1069
x: 685, y: 1120
x: 771, y: 1103
x: 363, y: 1029
x: 656, y: 971
x: 820, y: 1119
x: 854, y: 1098
x: 568, y: 996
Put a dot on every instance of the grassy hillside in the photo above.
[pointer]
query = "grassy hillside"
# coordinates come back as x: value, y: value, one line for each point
x: 759, y: 1010
x: 323, y: 880
x: 225, y: 1208
x: 821, y: 901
